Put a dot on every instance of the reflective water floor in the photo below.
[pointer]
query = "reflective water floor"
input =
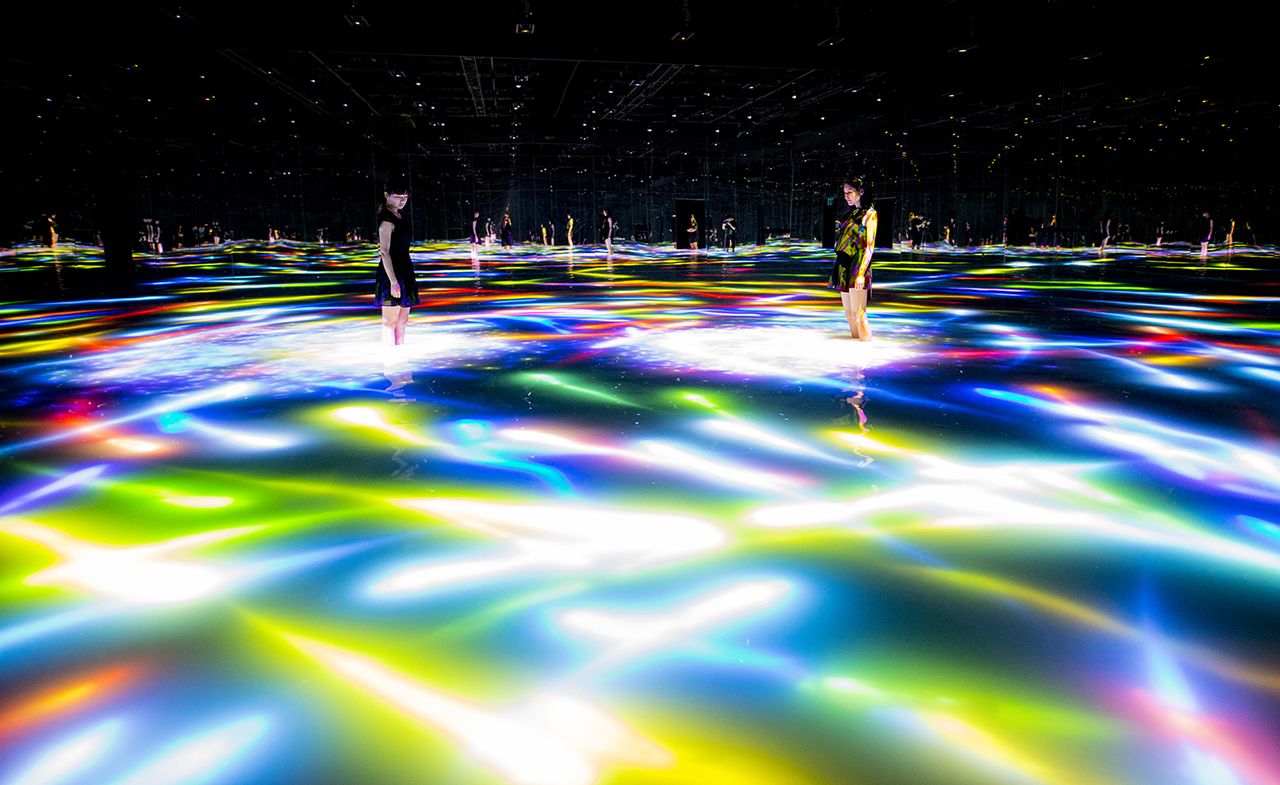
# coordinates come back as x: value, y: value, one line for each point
x: 649, y: 519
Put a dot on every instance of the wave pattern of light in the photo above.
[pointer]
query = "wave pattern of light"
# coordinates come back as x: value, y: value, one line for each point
x: 147, y: 574
x: 521, y: 753
x: 648, y: 516
x: 553, y: 538
x: 210, y: 756
x: 629, y: 635
x: 69, y: 759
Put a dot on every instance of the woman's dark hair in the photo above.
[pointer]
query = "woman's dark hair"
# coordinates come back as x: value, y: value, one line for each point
x: 857, y: 181
x: 396, y: 184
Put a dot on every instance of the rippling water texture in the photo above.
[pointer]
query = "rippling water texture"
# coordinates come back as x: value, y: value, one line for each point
x: 654, y: 519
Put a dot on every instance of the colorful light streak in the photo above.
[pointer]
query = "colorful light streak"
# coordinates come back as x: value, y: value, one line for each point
x: 719, y: 469
x: 227, y: 392
x: 71, y: 757
x: 145, y: 574
x: 630, y: 635
x: 207, y: 757
x: 59, y: 700
x: 524, y: 753
x: 174, y: 422
x: 554, y: 537
x: 365, y: 417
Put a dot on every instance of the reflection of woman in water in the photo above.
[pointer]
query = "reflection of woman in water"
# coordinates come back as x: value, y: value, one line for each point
x: 396, y: 288
x: 855, y: 245
x: 693, y: 231
x: 857, y: 399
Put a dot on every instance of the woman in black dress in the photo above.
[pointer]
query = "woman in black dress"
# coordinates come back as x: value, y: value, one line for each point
x: 1206, y: 233
x: 730, y: 230
x: 475, y: 231
x: 396, y: 288
x: 606, y: 228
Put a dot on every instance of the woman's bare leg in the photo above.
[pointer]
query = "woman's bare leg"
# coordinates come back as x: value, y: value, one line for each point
x: 390, y: 317
x: 402, y: 321
x: 393, y: 364
x: 846, y: 300
x: 863, y: 328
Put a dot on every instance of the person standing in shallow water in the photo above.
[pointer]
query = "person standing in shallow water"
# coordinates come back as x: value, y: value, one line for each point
x: 606, y: 229
x: 395, y: 287
x: 855, y: 245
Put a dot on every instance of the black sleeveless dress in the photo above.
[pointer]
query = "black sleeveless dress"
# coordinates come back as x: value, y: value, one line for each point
x: 401, y: 239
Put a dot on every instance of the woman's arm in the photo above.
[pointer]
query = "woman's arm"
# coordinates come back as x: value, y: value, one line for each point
x: 384, y: 249
x: 871, y: 221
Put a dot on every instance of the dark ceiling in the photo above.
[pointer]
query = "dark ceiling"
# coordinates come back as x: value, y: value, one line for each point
x: 458, y: 75
x: 922, y: 90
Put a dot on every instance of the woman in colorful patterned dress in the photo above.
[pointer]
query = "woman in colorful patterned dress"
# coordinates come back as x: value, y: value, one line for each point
x: 855, y: 245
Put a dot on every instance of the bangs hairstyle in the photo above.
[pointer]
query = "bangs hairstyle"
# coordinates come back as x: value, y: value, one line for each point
x: 858, y: 182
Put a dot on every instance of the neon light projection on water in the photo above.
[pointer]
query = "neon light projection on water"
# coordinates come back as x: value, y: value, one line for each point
x: 652, y: 518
